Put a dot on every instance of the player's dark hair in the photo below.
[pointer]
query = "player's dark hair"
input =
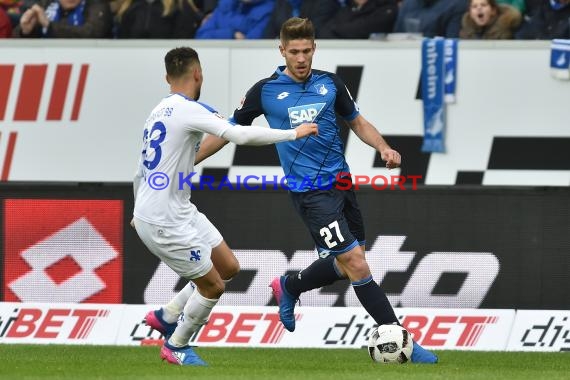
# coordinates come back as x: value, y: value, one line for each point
x: 179, y: 60
x: 297, y: 28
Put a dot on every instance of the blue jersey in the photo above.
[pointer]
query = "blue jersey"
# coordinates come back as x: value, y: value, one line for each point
x: 315, y: 161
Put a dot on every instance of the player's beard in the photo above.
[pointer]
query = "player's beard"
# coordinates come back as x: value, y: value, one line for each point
x: 303, y: 74
x: 298, y: 75
x: 197, y: 95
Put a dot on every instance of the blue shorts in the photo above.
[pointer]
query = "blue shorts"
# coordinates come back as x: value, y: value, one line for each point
x: 333, y: 218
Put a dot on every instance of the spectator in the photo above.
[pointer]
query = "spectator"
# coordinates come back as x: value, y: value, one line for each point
x: 66, y: 19
x: 531, y: 5
x: 546, y: 20
x: 13, y: 9
x: 519, y: 5
x: 431, y: 17
x: 488, y: 20
x: 207, y: 6
x: 5, y: 24
x: 361, y: 18
x: 318, y: 11
x: 158, y: 19
x: 237, y: 19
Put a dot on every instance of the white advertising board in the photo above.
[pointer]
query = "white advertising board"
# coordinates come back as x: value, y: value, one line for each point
x: 331, y: 327
x: 59, y: 323
x: 317, y: 327
x: 73, y: 111
x: 540, y: 330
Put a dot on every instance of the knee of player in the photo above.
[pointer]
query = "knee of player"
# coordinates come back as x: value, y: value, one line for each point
x: 353, y: 263
x: 218, y: 289
x: 229, y: 270
x: 213, y: 290
x: 232, y: 271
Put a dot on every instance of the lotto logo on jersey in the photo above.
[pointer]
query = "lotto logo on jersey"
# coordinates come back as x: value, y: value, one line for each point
x: 304, y: 114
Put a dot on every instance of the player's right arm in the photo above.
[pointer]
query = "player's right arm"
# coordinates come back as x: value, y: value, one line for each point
x: 208, y: 121
x: 250, y: 106
x: 249, y: 109
x: 252, y: 135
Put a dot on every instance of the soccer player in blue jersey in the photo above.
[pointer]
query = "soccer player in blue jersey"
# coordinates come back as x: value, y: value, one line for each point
x: 294, y: 94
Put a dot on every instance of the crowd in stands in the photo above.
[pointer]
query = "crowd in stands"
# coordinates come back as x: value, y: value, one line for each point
x: 258, y: 19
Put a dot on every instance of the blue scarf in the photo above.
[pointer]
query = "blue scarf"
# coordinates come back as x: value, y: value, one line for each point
x: 554, y: 4
x: 438, y: 84
x: 450, y: 69
x: 53, y: 13
x: 560, y: 59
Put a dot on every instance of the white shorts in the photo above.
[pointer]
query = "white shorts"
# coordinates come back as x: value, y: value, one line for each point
x: 186, y: 249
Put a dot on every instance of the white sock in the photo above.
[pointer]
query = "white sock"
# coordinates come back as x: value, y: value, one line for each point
x: 196, y: 313
x: 172, y: 310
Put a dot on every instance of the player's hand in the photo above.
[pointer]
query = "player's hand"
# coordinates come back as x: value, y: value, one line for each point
x: 307, y: 129
x: 392, y: 158
x: 133, y: 222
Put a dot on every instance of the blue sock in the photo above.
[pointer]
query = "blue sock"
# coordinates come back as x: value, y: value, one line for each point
x: 321, y: 272
x: 372, y: 297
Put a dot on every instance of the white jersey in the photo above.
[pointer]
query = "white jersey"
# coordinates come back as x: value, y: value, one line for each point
x: 171, y: 138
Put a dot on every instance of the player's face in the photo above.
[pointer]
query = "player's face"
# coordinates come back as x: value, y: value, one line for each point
x: 298, y: 56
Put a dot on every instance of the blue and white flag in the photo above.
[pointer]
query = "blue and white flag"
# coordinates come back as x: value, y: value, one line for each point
x: 433, y: 88
x: 560, y: 59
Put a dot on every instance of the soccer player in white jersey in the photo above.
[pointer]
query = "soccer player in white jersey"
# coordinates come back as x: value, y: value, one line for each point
x: 166, y: 221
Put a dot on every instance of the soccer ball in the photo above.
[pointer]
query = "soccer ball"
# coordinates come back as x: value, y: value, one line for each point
x: 390, y: 344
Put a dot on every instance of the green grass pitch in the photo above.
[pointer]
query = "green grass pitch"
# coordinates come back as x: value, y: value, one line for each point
x: 119, y: 362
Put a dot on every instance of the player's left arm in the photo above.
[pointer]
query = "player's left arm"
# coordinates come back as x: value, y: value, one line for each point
x: 210, y: 145
x: 346, y: 107
x: 370, y: 135
x: 137, y: 180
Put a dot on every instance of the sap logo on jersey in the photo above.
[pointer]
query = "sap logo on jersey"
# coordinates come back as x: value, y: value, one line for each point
x: 304, y: 114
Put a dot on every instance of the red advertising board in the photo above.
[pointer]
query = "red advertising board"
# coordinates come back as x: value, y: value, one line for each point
x: 63, y: 250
